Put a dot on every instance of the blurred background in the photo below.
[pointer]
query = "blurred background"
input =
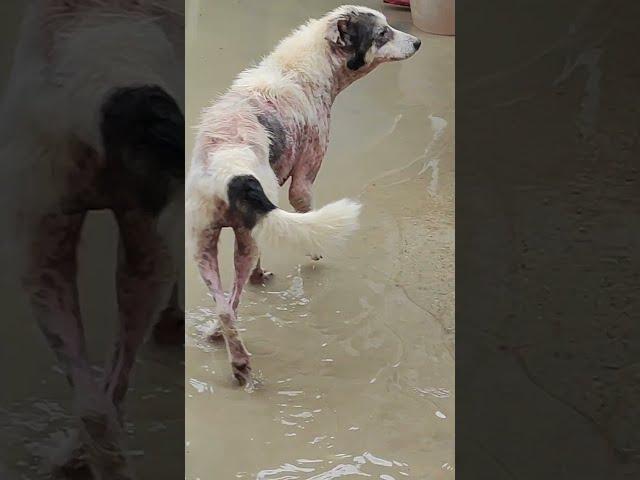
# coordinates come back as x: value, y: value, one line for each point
x: 35, y: 398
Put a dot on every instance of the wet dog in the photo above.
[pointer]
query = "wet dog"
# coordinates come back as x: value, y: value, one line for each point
x: 272, y: 125
x: 92, y: 121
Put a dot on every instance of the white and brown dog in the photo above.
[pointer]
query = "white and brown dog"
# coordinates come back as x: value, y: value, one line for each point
x: 272, y: 124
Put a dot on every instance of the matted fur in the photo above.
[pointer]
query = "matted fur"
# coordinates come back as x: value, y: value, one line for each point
x: 314, y: 231
x: 231, y: 141
x: 280, y: 106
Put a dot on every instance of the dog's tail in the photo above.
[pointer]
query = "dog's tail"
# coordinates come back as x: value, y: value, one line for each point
x: 313, y: 232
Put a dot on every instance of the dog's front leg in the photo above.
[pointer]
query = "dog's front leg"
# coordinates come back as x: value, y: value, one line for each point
x: 259, y: 276
x: 300, y: 194
x: 301, y: 199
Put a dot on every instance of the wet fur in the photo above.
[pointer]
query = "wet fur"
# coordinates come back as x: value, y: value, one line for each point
x: 272, y: 125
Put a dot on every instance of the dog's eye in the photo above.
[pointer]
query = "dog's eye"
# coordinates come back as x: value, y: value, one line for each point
x: 383, y: 32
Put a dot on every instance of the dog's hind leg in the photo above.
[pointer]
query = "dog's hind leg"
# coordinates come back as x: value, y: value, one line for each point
x: 209, y: 270
x: 244, y: 258
x: 207, y: 260
x: 51, y: 285
x: 169, y: 330
x: 144, y: 280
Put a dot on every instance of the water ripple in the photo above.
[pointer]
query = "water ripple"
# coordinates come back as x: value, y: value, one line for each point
x: 365, y: 465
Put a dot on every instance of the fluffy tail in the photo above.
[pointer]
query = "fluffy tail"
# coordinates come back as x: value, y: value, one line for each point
x: 313, y: 232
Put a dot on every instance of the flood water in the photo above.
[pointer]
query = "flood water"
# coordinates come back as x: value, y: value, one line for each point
x: 354, y: 354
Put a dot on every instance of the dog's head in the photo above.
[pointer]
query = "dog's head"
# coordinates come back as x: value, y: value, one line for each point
x: 365, y: 37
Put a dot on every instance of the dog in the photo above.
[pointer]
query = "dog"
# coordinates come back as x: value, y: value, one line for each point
x: 272, y: 125
x: 92, y: 120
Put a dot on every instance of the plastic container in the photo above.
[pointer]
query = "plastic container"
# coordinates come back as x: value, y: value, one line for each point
x: 434, y: 16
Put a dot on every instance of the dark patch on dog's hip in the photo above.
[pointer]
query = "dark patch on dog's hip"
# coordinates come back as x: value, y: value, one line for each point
x: 143, y: 135
x: 276, y: 132
x: 248, y: 200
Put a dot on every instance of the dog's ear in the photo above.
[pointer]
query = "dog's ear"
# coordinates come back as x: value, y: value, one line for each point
x: 361, y: 41
x: 350, y: 32
x: 338, y: 32
x: 359, y: 56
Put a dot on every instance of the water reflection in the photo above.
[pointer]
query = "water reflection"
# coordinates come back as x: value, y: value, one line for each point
x: 365, y: 464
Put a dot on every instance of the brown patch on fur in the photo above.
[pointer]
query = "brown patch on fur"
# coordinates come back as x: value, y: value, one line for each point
x: 224, y: 216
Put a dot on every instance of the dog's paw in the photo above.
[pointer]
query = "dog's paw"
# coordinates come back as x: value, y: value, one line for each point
x: 214, y: 334
x: 76, y: 467
x: 260, y: 277
x: 242, y: 371
x: 68, y: 459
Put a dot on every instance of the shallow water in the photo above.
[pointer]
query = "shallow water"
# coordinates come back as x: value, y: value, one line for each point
x: 355, y: 354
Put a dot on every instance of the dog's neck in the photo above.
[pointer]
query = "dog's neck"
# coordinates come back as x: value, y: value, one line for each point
x: 323, y: 68
x: 343, y: 76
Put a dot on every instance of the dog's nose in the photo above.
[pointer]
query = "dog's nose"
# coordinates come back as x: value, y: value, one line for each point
x: 417, y: 44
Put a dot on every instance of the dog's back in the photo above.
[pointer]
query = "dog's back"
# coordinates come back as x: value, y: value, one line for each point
x: 71, y: 54
x: 71, y: 58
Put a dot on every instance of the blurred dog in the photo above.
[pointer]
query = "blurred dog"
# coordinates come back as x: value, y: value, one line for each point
x: 273, y: 124
x: 91, y: 120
